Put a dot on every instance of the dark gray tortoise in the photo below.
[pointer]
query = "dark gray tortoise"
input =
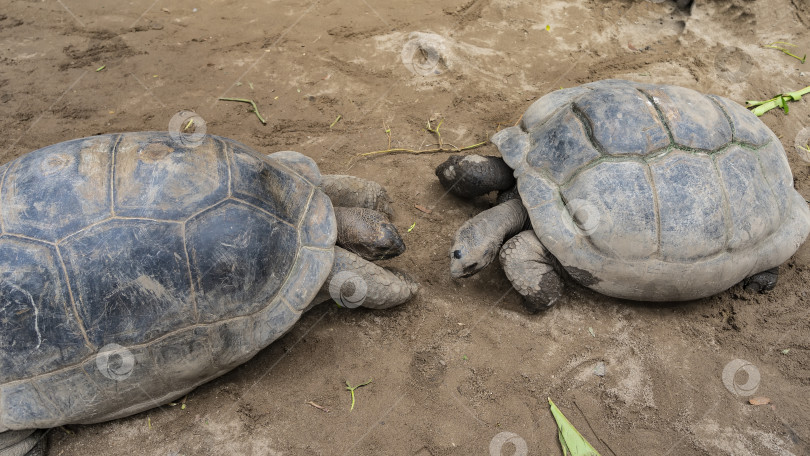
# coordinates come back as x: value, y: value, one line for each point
x: 134, y: 268
x: 638, y: 191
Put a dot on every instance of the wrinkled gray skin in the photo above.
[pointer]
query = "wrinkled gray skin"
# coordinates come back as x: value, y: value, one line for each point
x: 350, y: 191
x: 640, y: 191
x: 532, y: 270
x: 28, y: 442
x: 384, y: 288
x: 367, y: 233
x: 363, y: 208
x: 469, y: 176
x: 478, y: 240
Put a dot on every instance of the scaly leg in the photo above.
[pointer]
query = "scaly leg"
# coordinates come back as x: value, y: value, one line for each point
x: 532, y: 270
x: 29, y: 442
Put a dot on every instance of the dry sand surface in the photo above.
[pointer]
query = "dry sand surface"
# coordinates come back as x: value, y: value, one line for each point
x: 461, y: 363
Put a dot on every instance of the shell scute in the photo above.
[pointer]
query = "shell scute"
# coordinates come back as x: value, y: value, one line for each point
x: 747, y: 126
x: 754, y: 211
x: 691, y: 206
x: 268, y: 185
x: 693, y: 119
x: 35, y: 311
x: 55, y: 191
x: 613, y: 205
x: 563, y: 146
x: 124, y: 301
x: 239, y: 258
x: 159, y: 178
x: 623, y: 121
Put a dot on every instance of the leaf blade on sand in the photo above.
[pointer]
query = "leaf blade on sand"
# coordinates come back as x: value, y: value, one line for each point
x: 572, y: 442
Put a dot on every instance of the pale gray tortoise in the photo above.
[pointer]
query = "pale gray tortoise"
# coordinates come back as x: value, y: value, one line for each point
x: 134, y: 268
x: 638, y: 191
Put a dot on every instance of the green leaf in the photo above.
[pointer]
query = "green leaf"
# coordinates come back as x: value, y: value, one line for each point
x: 779, y: 101
x: 572, y: 442
x: 783, y: 103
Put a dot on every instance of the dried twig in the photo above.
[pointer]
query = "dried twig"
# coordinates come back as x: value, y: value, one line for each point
x: 319, y: 407
x: 435, y: 131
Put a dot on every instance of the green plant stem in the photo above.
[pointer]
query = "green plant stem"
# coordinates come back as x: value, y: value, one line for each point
x: 252, y: 103
x: 352, y: 388
x: 771, y: 46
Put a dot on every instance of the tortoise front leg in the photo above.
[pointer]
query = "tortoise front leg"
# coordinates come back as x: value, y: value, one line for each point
x: 762, y: 282
x: 29, y: 442
x: 356, y: 282
x: 532, y: 270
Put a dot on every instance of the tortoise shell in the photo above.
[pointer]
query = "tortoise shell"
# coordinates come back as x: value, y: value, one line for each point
x: 654, y: 192
x: 134, y: 268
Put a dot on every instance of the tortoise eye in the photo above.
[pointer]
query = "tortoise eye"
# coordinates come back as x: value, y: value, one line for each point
x: 457, y: 254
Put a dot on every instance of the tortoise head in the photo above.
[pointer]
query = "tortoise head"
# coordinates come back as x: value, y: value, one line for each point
x: 470, y: 252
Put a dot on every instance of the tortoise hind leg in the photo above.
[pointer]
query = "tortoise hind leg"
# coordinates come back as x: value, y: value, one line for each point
x: 361, y: 209
x: 469, y: 176
x: 344, y: 191
x: 356, y: 282
x: 762, y: 282
x: 367, y: 233
x: 362, y: 212
x: 532, y: 270
x: 30, y: 442
x: 350, y: 191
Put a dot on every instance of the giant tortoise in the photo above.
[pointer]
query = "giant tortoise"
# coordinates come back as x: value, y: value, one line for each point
x: 135, y: 267
x: 638, y: 191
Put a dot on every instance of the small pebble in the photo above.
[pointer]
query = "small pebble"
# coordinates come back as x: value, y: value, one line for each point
x: 599, y: 370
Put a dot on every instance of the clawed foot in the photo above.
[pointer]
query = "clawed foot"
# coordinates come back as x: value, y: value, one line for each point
x: 762, y: 282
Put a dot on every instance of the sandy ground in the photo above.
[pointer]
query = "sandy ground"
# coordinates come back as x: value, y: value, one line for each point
x: 462, y: 363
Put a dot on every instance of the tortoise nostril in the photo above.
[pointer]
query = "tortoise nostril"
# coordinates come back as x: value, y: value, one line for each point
x: 457, y: 254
